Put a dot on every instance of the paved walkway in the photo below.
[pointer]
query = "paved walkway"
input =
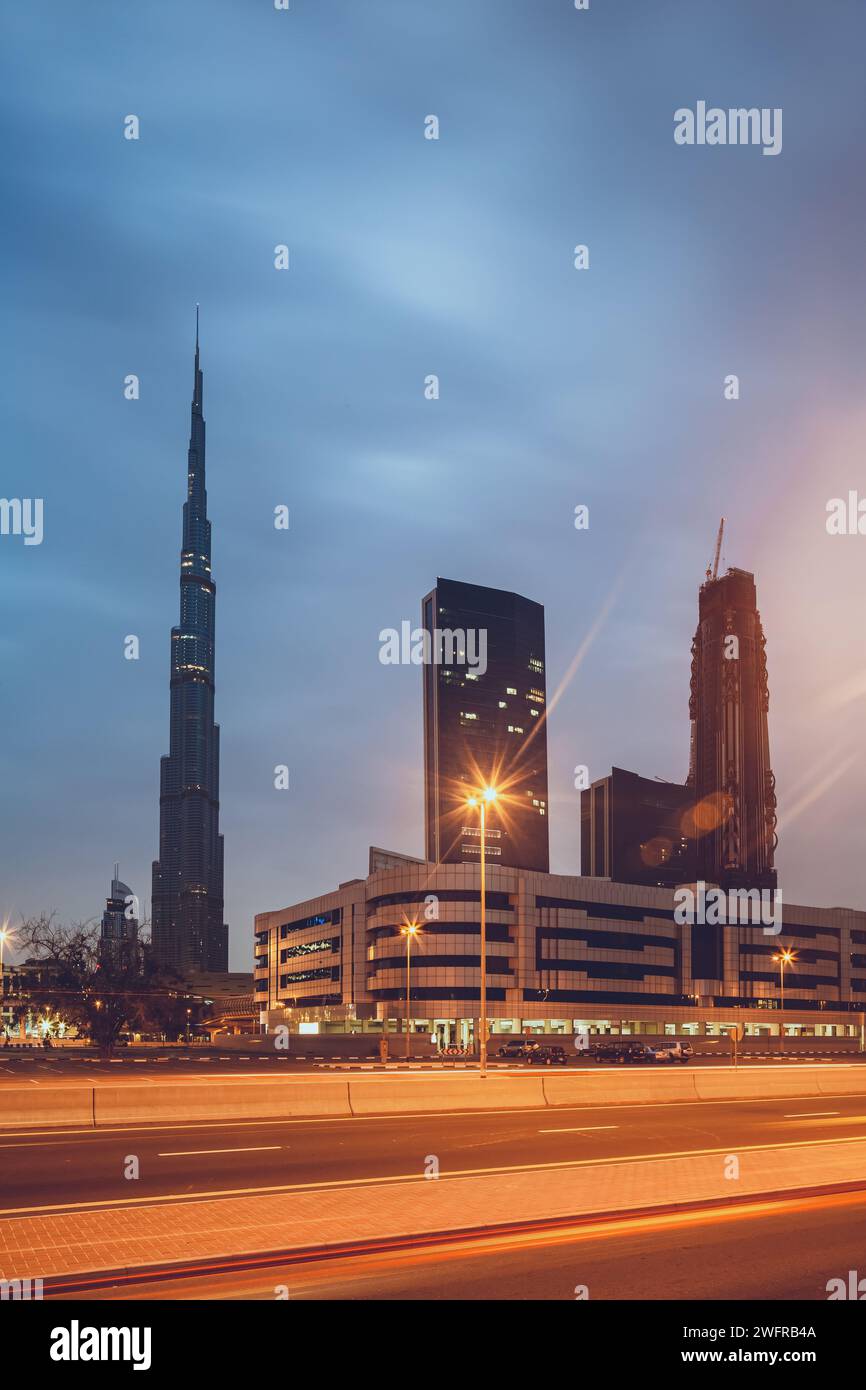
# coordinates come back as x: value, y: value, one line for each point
x: 119, y: 1238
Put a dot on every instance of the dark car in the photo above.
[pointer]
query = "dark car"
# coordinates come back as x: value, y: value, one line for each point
x: 612, y: 1051
x: 518, y: 1047
x: 548, y: 1057
x: 622, y: 1050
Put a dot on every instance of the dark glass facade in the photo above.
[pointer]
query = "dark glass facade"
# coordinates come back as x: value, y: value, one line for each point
x: 188, y: 928
x: 637, y: 830
x: 486, y: 727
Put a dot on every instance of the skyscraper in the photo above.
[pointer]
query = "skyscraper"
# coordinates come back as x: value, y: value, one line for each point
x: 637, y: 830
x: 188, y: 928
x: 484, y: 722
x: 118, y: 936
x: 730, y: 773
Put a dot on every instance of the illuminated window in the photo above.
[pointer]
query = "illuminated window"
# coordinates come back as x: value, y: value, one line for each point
x: 510, y: 690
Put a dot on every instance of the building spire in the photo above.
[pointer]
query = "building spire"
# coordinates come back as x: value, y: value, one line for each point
x: 197, y: 381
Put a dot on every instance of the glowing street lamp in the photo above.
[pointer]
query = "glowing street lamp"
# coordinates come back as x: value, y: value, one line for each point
x: 482, y: 800
x: 5, y: 935
x: 785, y: 957
x: 410, y: 931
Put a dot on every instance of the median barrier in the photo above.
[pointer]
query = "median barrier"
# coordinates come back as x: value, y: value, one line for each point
x: 615, y: 1085
x: 45, y: 1105
x: 851, y: 1081
x: 446, y: 1092
x: 756, y: 1083
x: 219, y: 1100
x: 355, y: 1094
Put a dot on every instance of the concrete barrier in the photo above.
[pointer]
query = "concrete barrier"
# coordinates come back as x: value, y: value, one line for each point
x: 219, y: 1100
x: 387, y: 1094
x: 852, y: 1081
x: 625, y: 1085
x: 756, y: 1083
x: 448, y: 1092
x: 45, y: 1105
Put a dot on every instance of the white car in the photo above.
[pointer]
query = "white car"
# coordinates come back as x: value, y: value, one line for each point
x: 677, y: 1052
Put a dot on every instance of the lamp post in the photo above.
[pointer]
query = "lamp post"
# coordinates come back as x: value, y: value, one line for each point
x: 784, y: 957
x: 482, y: 800
x: 4, y: 936
x: 410, y: 930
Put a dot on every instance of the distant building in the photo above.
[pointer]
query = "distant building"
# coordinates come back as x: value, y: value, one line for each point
x: 484, y: 723
x: 637, y: 830
x: 215, y: 986
x: 730, y: 774
x: 118, y: 936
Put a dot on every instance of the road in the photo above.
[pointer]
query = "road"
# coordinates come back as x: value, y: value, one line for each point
x: 785, y: 1250
x: 58, y: 1169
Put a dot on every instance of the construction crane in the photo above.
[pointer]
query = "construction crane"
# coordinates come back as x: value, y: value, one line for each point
x: 713, y: 573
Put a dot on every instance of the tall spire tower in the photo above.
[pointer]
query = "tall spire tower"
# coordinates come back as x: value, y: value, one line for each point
x: 730, y: 773
x: 188, y: 929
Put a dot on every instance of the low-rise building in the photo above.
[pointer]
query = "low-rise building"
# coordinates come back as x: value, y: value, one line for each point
x: 564, y: 953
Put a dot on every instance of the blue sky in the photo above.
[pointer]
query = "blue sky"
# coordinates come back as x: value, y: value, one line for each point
x: 558, y: 387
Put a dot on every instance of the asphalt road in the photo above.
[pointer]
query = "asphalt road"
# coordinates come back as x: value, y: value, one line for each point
x: 785, y: 1250
x: 176, y: 1161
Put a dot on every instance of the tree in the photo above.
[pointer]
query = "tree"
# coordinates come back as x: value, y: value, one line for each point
x: 103, y: 992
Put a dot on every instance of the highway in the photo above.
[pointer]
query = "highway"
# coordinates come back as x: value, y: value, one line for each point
x: 57, y: 1170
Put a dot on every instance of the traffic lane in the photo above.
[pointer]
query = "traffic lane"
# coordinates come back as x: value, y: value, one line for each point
x: 133, y: 1165
x: 786, y: 1250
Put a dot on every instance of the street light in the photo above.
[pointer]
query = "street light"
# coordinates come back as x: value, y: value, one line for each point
x: 410, y: 930
x: 784, y: 957
x: 482, y: 800
x: 188, y: 1012
x: 4, y: 937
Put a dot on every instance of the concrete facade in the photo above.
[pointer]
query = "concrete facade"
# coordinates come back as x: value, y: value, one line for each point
x: 563, y: 952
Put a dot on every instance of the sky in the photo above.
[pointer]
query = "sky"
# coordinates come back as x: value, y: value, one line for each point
x: 558, y: 387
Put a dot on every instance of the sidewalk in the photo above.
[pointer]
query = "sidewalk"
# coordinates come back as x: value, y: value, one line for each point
x: 155, y: 1233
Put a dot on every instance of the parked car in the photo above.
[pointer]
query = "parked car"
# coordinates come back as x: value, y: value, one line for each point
x: 614, y: 1050
x: 677, y: 1052
x: 548, y: 1057
x: 518, y: 1047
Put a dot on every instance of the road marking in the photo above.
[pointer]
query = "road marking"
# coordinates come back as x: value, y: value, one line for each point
x: 189, y: 1153
x: 577, y: 1129
x: 206, y: 1195
x: 807, y: 1114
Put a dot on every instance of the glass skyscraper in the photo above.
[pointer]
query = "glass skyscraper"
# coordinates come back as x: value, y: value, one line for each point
x: 187, y: 892
x: 485, y: 722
